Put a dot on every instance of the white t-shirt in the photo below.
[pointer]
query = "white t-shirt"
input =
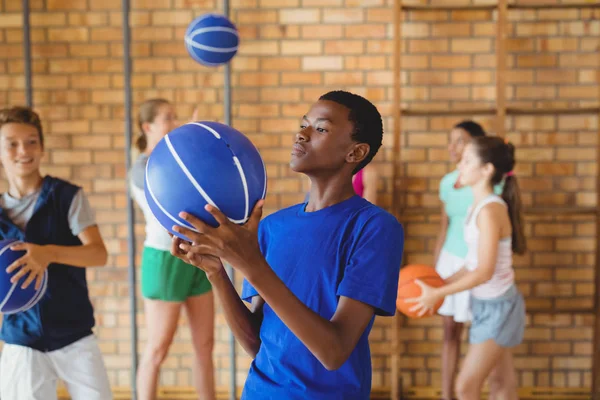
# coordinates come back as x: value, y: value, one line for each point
x: 81, y: 215
x: 157, y: 236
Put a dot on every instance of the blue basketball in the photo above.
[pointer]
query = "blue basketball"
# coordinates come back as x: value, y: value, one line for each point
x: 13, y: 299
x: 203, y: 163
x: 212, y: 39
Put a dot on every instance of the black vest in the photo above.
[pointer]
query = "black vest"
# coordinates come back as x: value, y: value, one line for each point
x: 65, y: 314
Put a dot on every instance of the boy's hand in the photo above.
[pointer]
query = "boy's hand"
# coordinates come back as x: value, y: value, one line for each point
x: 185, y: 251
x: 237, y: 245
x: 34, y: 262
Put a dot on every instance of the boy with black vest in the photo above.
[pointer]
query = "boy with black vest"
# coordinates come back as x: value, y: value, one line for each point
x: 53, y: 220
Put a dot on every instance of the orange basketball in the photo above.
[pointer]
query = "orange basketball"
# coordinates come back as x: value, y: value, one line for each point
x: 407, y: 288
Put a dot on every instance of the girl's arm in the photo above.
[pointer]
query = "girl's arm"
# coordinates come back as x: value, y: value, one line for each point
x: 488, y: 222
x: 456, y: 276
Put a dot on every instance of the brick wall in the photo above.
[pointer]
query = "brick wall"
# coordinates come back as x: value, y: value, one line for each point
x: 292, y: 51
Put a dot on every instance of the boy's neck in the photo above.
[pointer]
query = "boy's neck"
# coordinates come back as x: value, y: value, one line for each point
x: 22, y: 186
x: 325, y: 192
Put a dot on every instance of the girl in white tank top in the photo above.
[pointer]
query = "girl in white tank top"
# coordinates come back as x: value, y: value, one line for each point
x: 504, y: 275
x: 493, y: 232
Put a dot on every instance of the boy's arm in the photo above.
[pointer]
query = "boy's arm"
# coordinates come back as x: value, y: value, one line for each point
x: 330, y: 341
x: 244, y: 323
x: 91, y: 253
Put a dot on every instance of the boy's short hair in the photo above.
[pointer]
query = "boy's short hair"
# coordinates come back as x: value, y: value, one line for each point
x: 22, y: 115
x: 368, y: 125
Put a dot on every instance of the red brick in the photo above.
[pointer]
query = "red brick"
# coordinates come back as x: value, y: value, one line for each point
x: 279, y: 31
x: 299, y: 16
x: 538, y: 60
x: 322, y: 31
x: 87, y: 18
x: 151, y: 34
x: 145, y: 4
x: 343, y: 78
x: 575, y: 60
x: 344, y: 16
x: 65, y: 5
x: 471, y: 45
x: 69, y: 66
x: 536, y: 29
x: 322, y: 63
x: 47, y: 19
x: 365, y: 31
x: 106, y: 34
x: 303, y: 47
x: 257, y: 17
x: 68, y: 34
x: 333, y: 47
x: 450, y: 62
x: 451, y: 29
x: 428, y: 46
x: 485, y: 29
x: 171, y: 18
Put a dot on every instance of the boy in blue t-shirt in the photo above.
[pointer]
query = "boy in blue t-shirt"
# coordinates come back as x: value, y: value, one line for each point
x: 316, y: 273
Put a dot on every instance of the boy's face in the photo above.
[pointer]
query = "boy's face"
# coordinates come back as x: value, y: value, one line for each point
x: 20, y: 149
x: 323, y: 143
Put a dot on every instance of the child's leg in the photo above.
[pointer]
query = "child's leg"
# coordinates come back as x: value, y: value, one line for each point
x: 81, y: 366
x: 201, y: 314
x: 481, y: 358
x: 503, y: 379
x: 450, y: 354
x: 26, y: 374
x: 161, y: 324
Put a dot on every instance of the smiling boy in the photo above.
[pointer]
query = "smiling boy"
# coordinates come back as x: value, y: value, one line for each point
x: 53, y: 220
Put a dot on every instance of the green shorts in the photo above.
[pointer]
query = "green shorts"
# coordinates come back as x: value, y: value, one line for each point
x: 167, y: 278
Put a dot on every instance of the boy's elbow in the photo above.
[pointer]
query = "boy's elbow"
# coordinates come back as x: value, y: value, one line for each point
x: 252, y: 349
x: 102, y: 255
x: 335, y: 359
x: 332, y: 366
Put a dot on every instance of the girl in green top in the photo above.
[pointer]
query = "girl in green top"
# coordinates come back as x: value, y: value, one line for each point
x: 451, y: 250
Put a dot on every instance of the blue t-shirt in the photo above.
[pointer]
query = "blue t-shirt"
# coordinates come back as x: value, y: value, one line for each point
x: 352, y: 249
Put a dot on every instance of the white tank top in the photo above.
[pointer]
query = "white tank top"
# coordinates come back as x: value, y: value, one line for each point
x: 504, y: 274
x: 157, y: 237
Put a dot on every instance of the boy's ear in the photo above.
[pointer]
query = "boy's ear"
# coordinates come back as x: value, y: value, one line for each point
x: 359, y: 152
